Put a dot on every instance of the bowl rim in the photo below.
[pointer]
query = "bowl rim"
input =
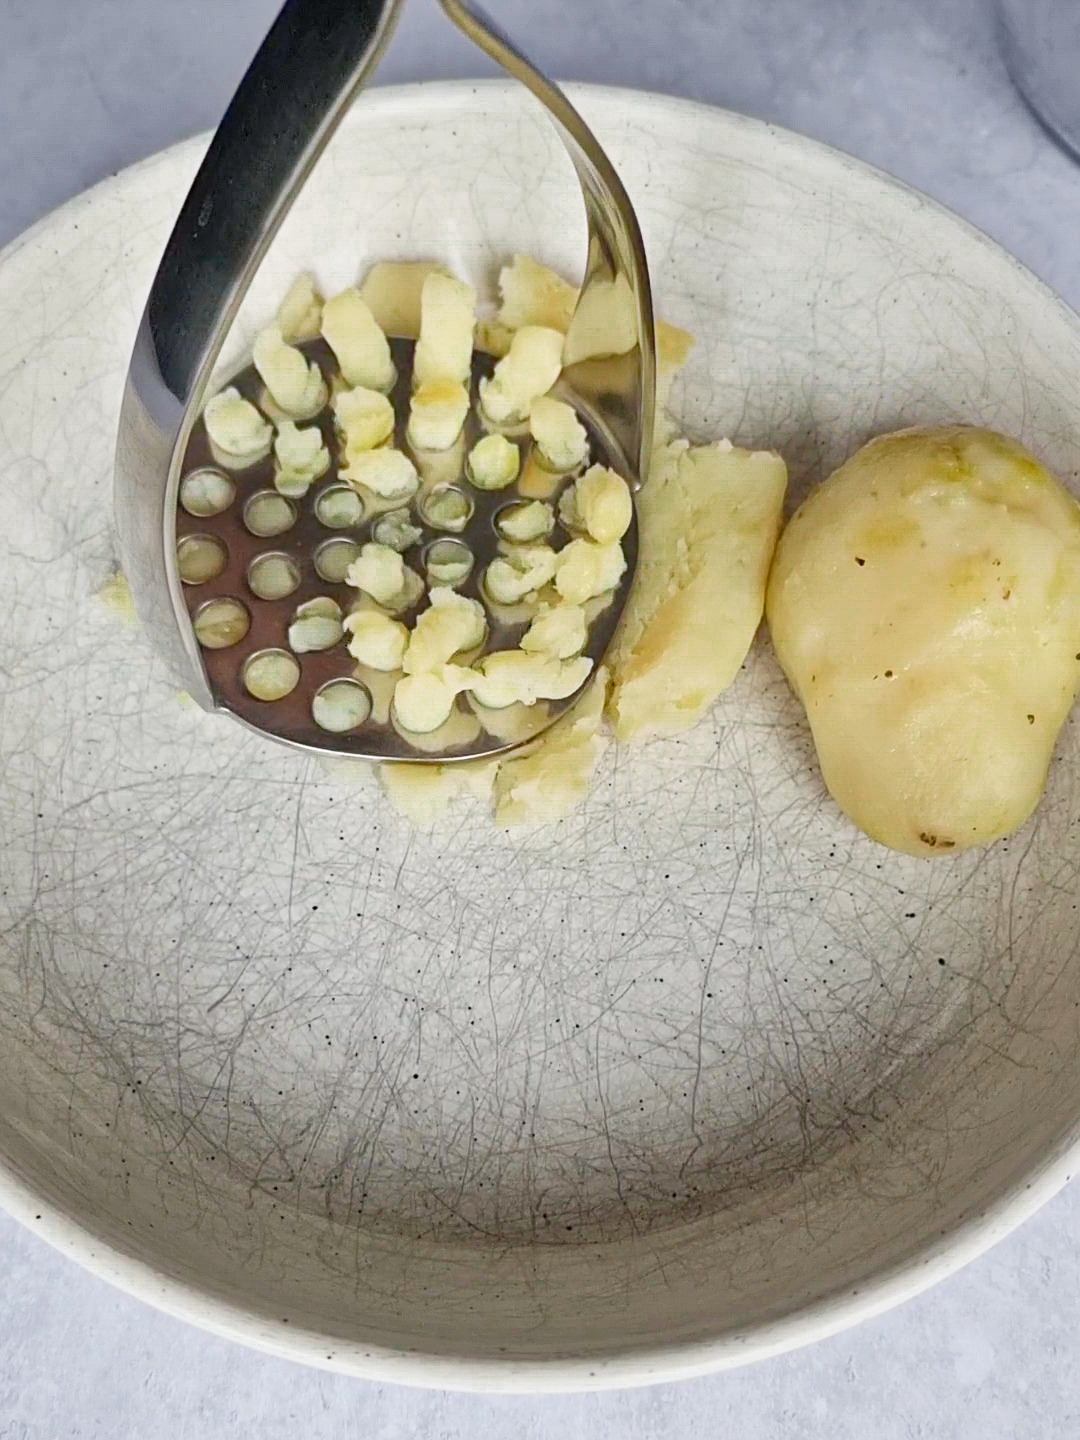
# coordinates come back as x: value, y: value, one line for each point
x: 956, y: 1245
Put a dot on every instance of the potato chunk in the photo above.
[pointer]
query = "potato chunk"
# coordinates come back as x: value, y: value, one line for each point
x: 532, y: 294
x: 522, y: 571
x: 378, y: 571
x: 494, y: 462
x: 526, y: 523
x: 300, y: 314
x: 925, y: 605
x: 361, y: 348
x: 598, y: 503
x: 551, y: 778
x: 375, y: 639
x: 514, y: 677
x: 365, y: 419
x: 528, y: 369
x: 392, y: 291
x: 423, y: 702
x: 585, y: 569
x: 558, y: 630
x: 390, y: 474
x: 239, y: 434
x: 604, y: 323
x: 452, y: 623
x: 562, y: 442
x: 300, y: 458
x: 296, y: 385
x: 447, y: 317
x: 708, y: 518
x: 437, y: 412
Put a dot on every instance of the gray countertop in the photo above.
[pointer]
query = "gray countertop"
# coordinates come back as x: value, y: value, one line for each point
x: 915, y: 86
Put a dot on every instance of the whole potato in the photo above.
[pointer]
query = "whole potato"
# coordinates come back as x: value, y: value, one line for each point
x: 924, y: 603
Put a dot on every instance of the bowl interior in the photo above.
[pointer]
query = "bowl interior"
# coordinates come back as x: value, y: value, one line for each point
x: 652, y: 1090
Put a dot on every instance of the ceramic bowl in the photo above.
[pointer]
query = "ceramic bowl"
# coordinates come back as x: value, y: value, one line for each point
x: 696, y: 1075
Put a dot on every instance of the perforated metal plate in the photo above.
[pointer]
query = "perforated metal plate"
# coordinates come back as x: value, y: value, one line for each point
x: 261, y: 536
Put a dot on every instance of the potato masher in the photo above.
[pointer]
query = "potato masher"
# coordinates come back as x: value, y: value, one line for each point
x: 315, y: 59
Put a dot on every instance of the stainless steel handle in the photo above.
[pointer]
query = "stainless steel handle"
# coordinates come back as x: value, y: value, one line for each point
x: 308, y: 70
x: 314, y: 60
x: 619, y: 389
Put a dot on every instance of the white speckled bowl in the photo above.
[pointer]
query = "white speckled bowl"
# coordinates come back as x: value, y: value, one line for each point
x: 695, y: 1076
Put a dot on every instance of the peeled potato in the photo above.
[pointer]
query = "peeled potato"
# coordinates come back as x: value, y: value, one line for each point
x: 534, y: 295
x: 925, y: 606
x: 673, y: 348
x: 709, y: 518
x: 546, y: 781
x: 392, y: 290
x: 425, y: 794
x: 300, y: 313
x: 604, y: 322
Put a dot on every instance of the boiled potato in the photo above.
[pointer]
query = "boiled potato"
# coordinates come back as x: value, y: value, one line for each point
x: 494, y: 462
x: 364, y: 419
x: 424, y: 701
x: 673, y: 348
x: 521, y: 677
x: 598, y: 503
x: 426, y: 794
x: 239, y: 434
x: 604, y: 322
x: 541, y: 783
x: 392, y: 291
x: 447, y: 321
x: 300, y: 313
x: 378, y: 571
x: 361, y: 348
x: 558, y: 630
x: 528, y: 369
x: 532, y: 294
x: 584, y: 569
x: 547, y: 780
x: 300, y: 458
x: 437, y: 412
x: 925, y: 606
x: 295, y: 384
x: 709, y: 518
x: 561, y: 439
x: 451, y: 623
x: 376, y: 640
